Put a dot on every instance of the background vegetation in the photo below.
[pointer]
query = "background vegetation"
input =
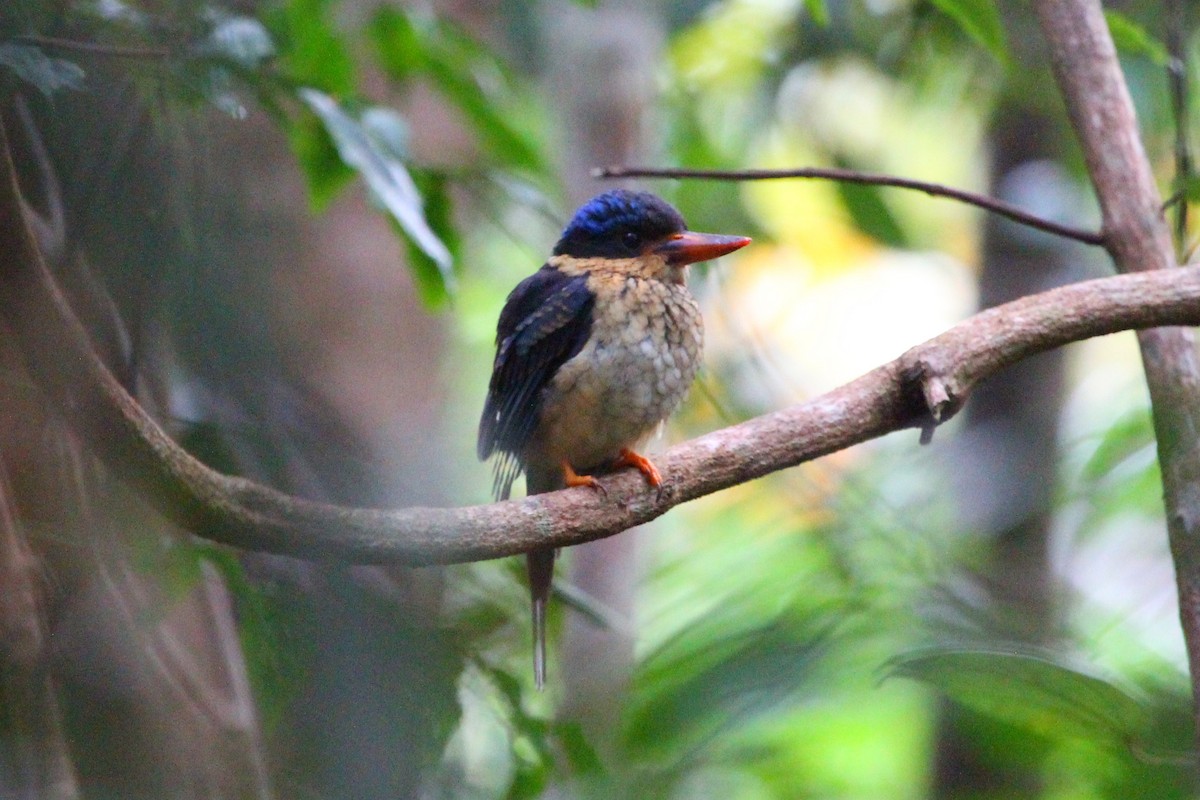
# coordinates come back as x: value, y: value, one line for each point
x: 992, y: 615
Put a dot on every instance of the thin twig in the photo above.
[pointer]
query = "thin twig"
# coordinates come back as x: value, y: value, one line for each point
x: 873, y: 179
x: 96, y: 48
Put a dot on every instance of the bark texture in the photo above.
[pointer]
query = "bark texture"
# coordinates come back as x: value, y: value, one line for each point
x: 1136, y: 234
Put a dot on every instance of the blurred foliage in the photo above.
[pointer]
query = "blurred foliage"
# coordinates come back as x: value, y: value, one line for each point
x: 469, y: 76
x: 777, y: 618
x: 1134, y: 40
x: 774, y: 618
x: 1030, y: 690
x: 980, y: 19
x: 33, y: 66
x: 300, y: 67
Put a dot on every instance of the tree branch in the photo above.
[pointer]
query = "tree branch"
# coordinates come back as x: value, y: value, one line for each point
x: 96, y: 48
x: 929, y: 381
x: 991, y: 204
x: 1089, y: 76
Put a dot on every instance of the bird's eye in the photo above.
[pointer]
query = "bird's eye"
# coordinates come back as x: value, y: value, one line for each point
x: 632, y: 241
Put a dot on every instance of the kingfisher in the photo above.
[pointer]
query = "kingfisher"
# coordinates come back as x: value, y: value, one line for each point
x: 593, y: 352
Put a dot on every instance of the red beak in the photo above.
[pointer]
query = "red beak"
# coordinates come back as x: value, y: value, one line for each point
x: 689, y: 247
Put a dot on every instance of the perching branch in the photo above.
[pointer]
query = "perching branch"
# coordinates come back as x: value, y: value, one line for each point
x: 991, y: 204
x: 929, y: 382
x: 1101, y: 110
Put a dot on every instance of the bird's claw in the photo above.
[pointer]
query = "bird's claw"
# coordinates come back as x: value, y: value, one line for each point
x: 628, y: 458
x: 572, y: 478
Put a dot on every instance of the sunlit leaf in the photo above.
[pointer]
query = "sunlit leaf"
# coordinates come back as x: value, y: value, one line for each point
x: 46, y: 74
x: 1132, y: 39
x: 242, y: 40
x: 818, y: 11
x: 387, y: 128
x: 1031, y: 690
x: 1188, y: 187
x: 386, y: 177
x: 979, y: 19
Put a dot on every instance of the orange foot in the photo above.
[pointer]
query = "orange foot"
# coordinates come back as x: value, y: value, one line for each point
x: 572, y: 478
x: 628, y: 458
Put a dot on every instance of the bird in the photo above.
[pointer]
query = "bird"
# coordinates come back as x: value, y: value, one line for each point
x: 593, y: 352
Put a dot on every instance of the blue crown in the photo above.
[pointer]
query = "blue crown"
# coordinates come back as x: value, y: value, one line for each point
x: 598, y: 225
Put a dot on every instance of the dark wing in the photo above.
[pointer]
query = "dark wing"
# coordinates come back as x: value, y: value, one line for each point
x: 546, y: 321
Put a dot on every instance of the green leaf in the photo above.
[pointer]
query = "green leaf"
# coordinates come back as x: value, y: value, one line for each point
x: 277, y: 654
x: 688, y: 696
x: 871, y: 214
x: 311, y: 50
x: 388, y: 128
x: 1031, y: 690
x: 385, y: 175
x: 1187, y: 187
x: 463, y: 71
x: 1132, y: 39
x: 1122, y: 474
x: 324, y: 171
x: 979, y: 19
x: 431, y: 284
x: 529, y: 781
x: 225, y: 62
x: 1128, y: 435
x: 400, y: 48
x: 44, y: 73
x: 578, y: 750
x: 818, y: 11
x: 1139, y: 492
x: 531, y: 749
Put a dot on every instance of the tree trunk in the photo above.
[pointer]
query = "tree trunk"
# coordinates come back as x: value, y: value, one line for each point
x: 1006, y: 460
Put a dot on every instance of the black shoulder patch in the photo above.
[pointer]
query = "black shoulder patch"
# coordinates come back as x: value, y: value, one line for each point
x: 546, y: 321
